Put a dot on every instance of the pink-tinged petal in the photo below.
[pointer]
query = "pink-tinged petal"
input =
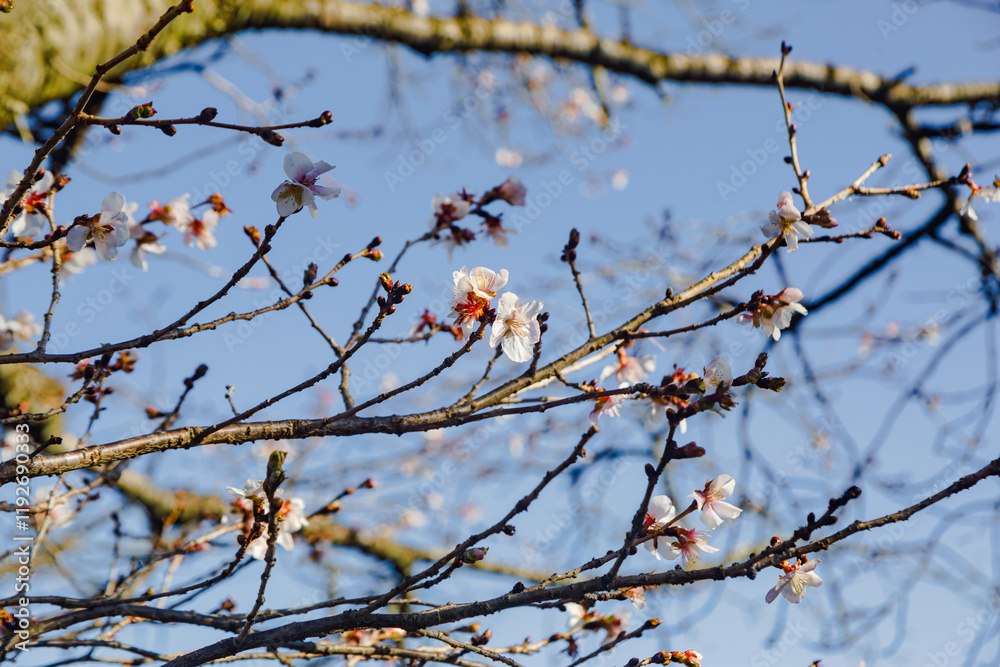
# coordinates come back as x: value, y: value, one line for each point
x: 788, y: 213
x: 138, y: 258
x: 770, y: 230
x: 298, y: 166
x: 785, y: 199
x: 113, y: 204
x: 772, y: 594
x: 319, y: 168
x: 326, y: 192
x: 77, y: 237
x: 790, y: 295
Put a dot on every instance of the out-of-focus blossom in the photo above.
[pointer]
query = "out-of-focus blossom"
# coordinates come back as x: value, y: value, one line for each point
x: 619, y: 179
x: 202, y: 230
x: 630, y: 370
x: 657, y: 403
x: 145, y: 241
x: 22, y: 326
x: 512, y: 191
x: 787, y: 221
x: 516, y: 327
x: 507, y: 158
x: 31, y: 220
x: 301, y: 191
x: 447, y: 209
x: 291, y: 516
x: 986, y: 194
x: 176, y: 213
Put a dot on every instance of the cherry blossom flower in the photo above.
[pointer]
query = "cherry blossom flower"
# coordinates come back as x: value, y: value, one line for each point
x: 713, y: 509
x: 23, y: 326
x: 636, y: 597
x: 787, y: 221
x: 109, y: 230
x: 794, y: 582
x: 516, y: 327
x: 75, y: 262
x: 145, y: 241
x: 301, y: 191
x: 577, y: 614
x: 201, y: 230
x: 31, y: 221
x: 512, y: 191
x: 687, y: 545
x: 176, y: 213
x: 607, y: 405
x: 718, y: 375
x: 455, y: 238
x: 493, y: 227
x: 448, y: 209
x: 989, y: 194
x: 473, y: 291
x: 776, y: 311
x: 659, y: 513
x: 630, y: 370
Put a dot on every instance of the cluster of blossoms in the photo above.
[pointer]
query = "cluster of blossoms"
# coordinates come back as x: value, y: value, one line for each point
x: 775, y: 312
x: 676, y: 542
x: 448, y: 209
x: 177, y: 214
x: 515, y: 327
x: 291, y: 516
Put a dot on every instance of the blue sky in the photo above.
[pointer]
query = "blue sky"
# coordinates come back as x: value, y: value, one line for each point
x: 675, y: 149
